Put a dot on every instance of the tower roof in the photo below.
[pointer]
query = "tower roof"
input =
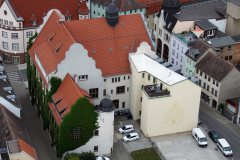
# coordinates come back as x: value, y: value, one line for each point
x: 106, y: 105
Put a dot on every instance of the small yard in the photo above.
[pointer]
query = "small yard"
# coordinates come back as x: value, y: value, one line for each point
x: 149, y: 154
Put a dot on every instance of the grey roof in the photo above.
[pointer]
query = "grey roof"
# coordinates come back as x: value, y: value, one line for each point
x: 214, y: 66
x: 221, y: 41
x: 236, y: 38
x: 11, y: 127
x: 205, y: 25
x: 211, y: 9
x: 197, y: 50
x: 236, y: 2
x: 106, y: 105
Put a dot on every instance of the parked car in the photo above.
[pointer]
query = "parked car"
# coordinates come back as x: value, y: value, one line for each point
x: 224, y: 146
x: 131, y: 137
x: 126, y: 129
x: 102, y: 158
x: 213, y: 135
x: 198, y: 135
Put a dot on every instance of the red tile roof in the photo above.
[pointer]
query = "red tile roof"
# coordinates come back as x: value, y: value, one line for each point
x: 67, y: 95
x: 27, y: 148
x: 108, y: 46
x: 27, y: 8
x: 83, y: 9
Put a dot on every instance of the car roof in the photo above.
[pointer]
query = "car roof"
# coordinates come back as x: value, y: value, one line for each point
x: 199, y: 132
x: 223, y: 142
x: 128, y: 125
x: 133, y: 134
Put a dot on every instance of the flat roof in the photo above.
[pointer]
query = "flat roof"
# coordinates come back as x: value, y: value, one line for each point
x: 144, y: 63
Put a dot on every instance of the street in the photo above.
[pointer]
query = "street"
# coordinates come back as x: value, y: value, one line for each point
x: 212, y: 120
x: 39, y: 138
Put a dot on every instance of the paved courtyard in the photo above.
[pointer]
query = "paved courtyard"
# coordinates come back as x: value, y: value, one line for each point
x: 183, y: 147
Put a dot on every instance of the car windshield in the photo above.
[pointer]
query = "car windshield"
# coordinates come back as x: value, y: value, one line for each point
x: 227, y: 148
x: 128, y: 136
x: 124, y: 127
x: 215, y: 136
x: 203, y: 139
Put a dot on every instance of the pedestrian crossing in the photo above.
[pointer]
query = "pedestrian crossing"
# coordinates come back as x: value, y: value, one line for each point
x: 14, y: 76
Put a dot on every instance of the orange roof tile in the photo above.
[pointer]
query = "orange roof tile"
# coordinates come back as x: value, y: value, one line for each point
x: 27, y: 148
x: 39, y: 8
x: 108, y: 46
x: 67, y: 95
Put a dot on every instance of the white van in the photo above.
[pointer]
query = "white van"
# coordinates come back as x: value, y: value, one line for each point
x: 198, y: 135
x: 224, y: 147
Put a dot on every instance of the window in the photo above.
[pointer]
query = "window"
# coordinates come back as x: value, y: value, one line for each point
x: 105, y: 79
x: 230, y: 57
x: 207, y: 87
x: 124, y: 78
x: 130, y: 11
x: 209, y: 78
x: 10, y: 23
x: 116, y: 79
x: 204, y: 85
x: 76, y: 133
x: 217, y: 84
x: 199, y: 82
x: 120, y: 89
x: 5, y: 45
x: 83, y: 77
x: 112, y: 80
x: 15, y: 46
x: 95, y: 148
x: 127, y: 88
x: 149, y: 77
x: 5, y: 22
x: 213, y: 81
x: 142, y: 86
x: 128, y: 77
x: 216, y: 93
x: 4, y: 34
x: 104, y: 92
x: 154, y: 80
x: 1, y: 21
x: 119, y: 79
x: 226, y: 58
x: 212, y: 91
x: 173, y: 52
x: 111, y: 91
x: 123, y: 104
x: 201, y: 73
x: 229, y: 48
x: 172, y: 61
x: 29, y: 34
x: 174, y: 43
x: 141, y: 99
x: 205, y: 76
x: 211, y: 33
x: 96, y: 132
x: 116, y: 103
x: 14, y: 35
x: 143, y: 75
x: 93, y: 92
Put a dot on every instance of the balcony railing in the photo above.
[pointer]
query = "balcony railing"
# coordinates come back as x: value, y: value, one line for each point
x: 156, y: 91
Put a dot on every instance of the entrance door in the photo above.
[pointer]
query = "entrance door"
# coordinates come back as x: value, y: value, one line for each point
x: 16, y: 59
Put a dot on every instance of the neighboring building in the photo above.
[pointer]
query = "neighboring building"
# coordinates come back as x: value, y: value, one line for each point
x: 125, y: 7
x: 21, y: 150
x: 67, y: 95
x: 192, y: 57
x: 224, y: 47
x: 175, y: 19
x: 232, y: 110
x: 233, y: 17
x: 180, y: 43
x: 236, y: 48
x: 19, y: 20
x: 164, y: 101
x: 218, y: 78
x: 205, y: 30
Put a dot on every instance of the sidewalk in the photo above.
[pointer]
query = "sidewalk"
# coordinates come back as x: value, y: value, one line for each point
x: 220, y: 118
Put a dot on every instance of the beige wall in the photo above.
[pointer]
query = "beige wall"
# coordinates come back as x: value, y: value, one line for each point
x: 175, y: 113
x: 20, y: 156
x: 233, y: 21
x: 183, y: 26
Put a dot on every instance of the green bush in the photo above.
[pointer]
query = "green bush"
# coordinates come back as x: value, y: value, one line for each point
x: 82, y: 117
x: 82, y: 156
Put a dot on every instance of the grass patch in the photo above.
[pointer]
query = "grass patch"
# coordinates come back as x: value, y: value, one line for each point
x: 145, y: 154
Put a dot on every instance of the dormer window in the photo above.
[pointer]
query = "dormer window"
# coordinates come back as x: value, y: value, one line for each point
x: 68, y: 18
x: 211, y: 33
x: 33, y: 19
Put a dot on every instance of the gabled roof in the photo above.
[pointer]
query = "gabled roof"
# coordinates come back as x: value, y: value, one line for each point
x: 27, y: 148
x: 27, y: 8
x: 205, y: 25
x: 213, y: 9
x: 214, y: 66
x: 197, y: 50
x: 123, y: 5
x: 67, y: 94
x: 221, y: 41
x: 108, y: 46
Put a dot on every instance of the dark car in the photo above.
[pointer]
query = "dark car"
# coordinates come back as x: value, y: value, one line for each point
x: 214, y: 136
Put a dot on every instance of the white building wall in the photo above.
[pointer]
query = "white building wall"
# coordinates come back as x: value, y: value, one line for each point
x: 104, y: 140
x: 221, y: 24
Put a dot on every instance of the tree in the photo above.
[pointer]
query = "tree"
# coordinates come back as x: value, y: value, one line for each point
x: 77, y: 126
x: 55, y: 83
x: 82, y: 156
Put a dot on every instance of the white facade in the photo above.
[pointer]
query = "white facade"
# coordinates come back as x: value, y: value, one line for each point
x: 77, y: 57
x: 101, y: 144
x: 166, y: 113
